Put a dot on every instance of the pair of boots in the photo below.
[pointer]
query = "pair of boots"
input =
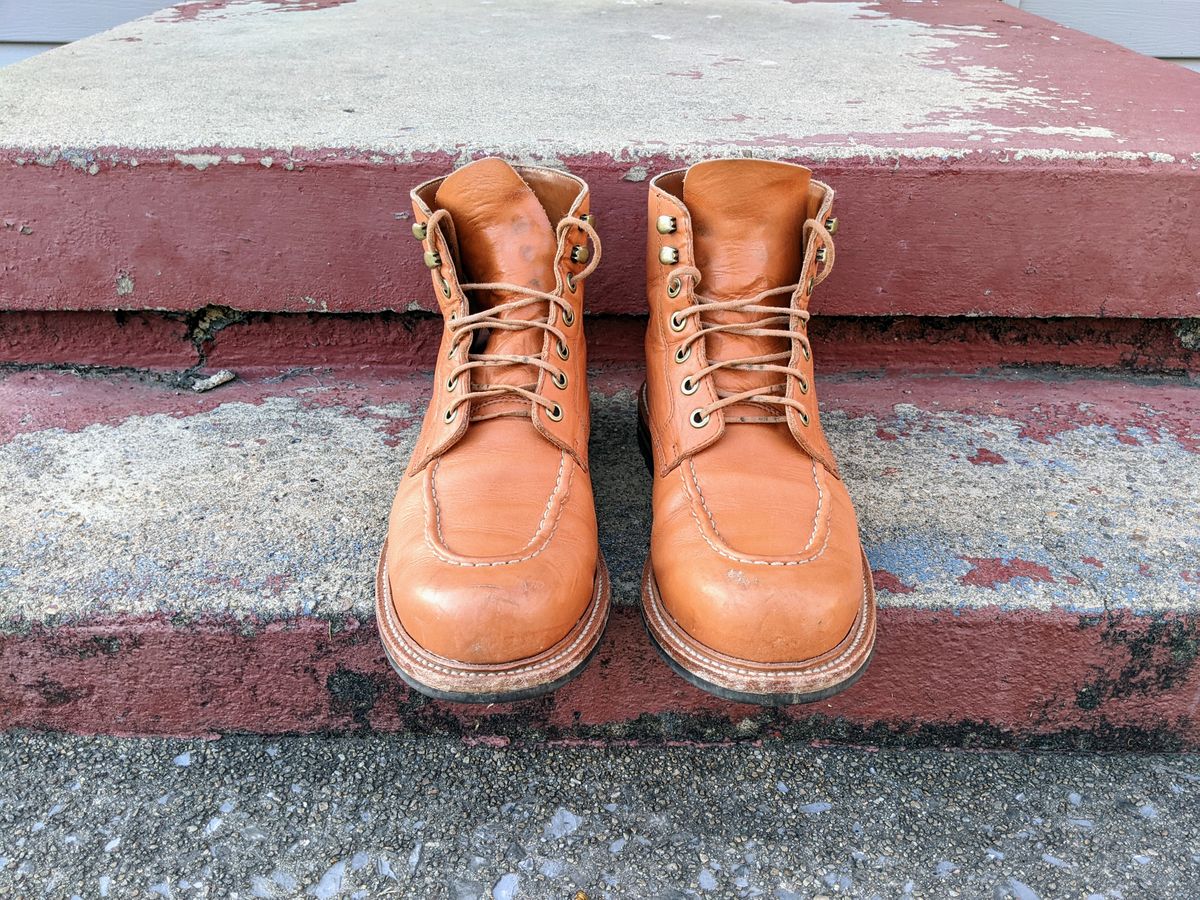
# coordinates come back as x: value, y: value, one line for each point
x: 491, y: 585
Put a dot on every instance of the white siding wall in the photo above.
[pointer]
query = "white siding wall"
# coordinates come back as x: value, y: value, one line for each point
x: 1169, y: 29
x: 31, y: 26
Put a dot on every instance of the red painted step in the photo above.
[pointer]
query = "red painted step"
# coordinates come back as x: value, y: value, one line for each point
x: 187, y: 564
x: 987, y: 162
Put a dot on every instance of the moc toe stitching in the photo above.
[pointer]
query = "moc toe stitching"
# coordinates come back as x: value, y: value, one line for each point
x: 560, y: 492
x: 730, y: 553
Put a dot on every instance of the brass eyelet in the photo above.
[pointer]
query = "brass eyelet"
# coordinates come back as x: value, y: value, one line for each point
x: 420, y: 230
x: 677, y: 324
x: 682, y: 354
x: 450, y: 415
x: 568, y: 316
x: 564, y: 352
x: 555, y: 414
x: 590, y: 218
x: 451, y: 383
x: 803, y: 384
x: 688, y: 387
x: 698, y: 418
x: 666, y: 225
x: 668, y: 256
x: 560, y: 380
x: 821, y: 254
x: 805, y: 351
x: 674, y: 286
x: 803, y: 417
x: 580, y: 254
x: 572, y: 284
x: 433, y: 259
x: 444, y: 285
x: 812, y: 283
x: 831, y: 225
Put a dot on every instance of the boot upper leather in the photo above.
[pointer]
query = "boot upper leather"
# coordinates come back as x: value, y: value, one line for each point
x: 492, y: 547
x: 755, y: 546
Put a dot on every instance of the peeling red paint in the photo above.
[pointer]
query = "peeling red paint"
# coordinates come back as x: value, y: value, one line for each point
x: 325, y: 236
x: 191, y: 12
x: 147, y: 676
x: 37, y: 399
x: 1042, y: 409
x: 985, y: 457
x: 991, y: 572
x: 888, y: 581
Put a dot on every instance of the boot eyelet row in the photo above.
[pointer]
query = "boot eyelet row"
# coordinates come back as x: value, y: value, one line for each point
x: 688, y: 387
x: 698, y: 418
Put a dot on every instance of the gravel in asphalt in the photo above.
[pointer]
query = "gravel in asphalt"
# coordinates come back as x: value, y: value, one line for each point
x: 375, y: 816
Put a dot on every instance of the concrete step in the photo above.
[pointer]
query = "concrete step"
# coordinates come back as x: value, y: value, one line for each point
x: 187, y: 564
x: 258, y: 156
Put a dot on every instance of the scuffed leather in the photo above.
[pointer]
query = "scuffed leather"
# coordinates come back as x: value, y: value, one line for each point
x: 492, y: 550
x: 755, y: 546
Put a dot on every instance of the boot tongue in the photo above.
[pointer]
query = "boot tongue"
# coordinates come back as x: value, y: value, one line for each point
x: 748, y: 236
x: 504, y: 235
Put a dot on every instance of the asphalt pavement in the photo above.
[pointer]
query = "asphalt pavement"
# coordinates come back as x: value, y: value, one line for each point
x: 378, y: 816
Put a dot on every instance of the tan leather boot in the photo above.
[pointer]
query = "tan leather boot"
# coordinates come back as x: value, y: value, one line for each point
x: 756, y: 587
x: 491, y: 586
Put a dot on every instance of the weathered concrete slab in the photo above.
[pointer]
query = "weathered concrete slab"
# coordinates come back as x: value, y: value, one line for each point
x: 987, y: 161
x: 181, y: 563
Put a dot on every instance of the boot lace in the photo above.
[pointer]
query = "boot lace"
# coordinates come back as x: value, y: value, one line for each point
x: 772, y: 322
x: 483, y: 322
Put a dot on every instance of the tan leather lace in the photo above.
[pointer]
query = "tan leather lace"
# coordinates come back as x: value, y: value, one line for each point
x: 465, y: 327
x: 775, y: 322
